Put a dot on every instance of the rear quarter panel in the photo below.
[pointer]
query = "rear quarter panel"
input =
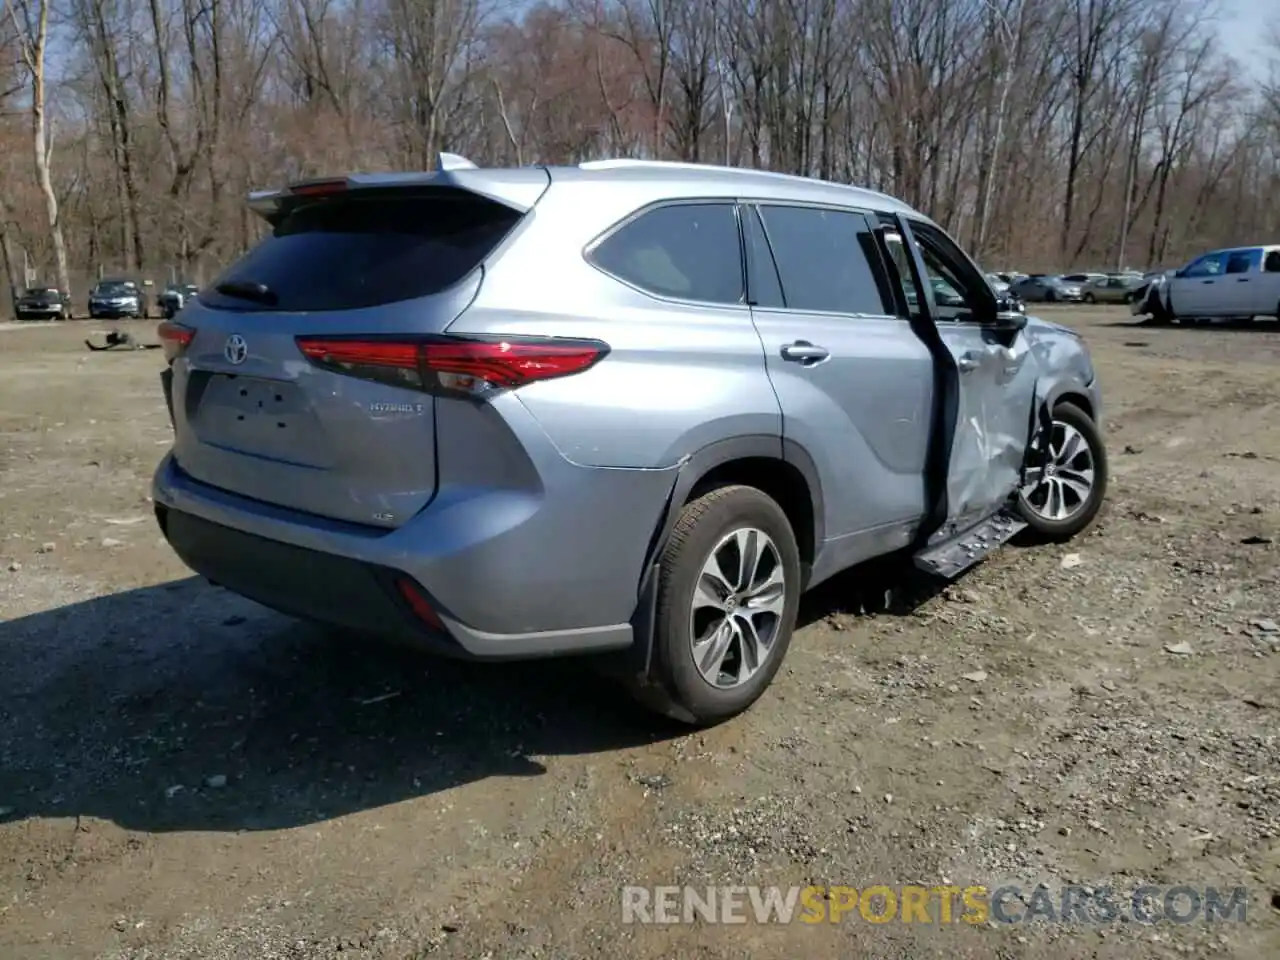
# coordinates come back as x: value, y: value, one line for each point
x: 677, y: 376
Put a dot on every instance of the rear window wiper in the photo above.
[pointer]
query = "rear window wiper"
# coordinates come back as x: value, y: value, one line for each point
x: 247, y: 290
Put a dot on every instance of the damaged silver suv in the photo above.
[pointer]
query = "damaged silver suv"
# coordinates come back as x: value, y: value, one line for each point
x: 622, y: 408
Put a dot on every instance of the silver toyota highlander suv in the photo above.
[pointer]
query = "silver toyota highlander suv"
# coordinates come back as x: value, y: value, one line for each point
x: 626, y: 408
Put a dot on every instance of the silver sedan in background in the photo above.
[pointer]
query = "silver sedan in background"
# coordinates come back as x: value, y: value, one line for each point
x: 1044, y: 288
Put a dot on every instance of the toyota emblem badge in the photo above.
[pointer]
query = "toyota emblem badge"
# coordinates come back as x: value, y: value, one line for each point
x: 236, y: 349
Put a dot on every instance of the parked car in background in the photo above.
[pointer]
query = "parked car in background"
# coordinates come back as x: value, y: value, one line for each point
x: 416, y: 395
x: 43, y: 303
x: 173, y: 298
x: 1043, y: 288
x: 1082, y: 279
x: 114, y: 299
x: 1237, y: 283
x: 1113, y: 289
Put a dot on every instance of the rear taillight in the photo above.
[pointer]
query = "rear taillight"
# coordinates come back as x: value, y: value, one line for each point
x: 472, y: 366
x: 175, y: 338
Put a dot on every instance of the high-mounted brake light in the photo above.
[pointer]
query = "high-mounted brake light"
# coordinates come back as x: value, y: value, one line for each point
x: 318, y: 188
x: 453, y: 364
x: 175, y: 337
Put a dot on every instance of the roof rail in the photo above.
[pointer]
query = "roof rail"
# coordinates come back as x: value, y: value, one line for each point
x: 453, y: 161
x: 631, y: 162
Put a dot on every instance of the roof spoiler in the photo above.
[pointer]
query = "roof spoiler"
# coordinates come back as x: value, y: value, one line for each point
x: 519, y: 188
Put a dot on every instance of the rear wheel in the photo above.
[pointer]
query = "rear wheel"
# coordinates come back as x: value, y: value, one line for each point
x: 1064, y: 496
x: 728, y: 592
x: 1089, y: 298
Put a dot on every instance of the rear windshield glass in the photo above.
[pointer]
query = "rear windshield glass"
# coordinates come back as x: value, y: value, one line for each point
x: 362, y: 251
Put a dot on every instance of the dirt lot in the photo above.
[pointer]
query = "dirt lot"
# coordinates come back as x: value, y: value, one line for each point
x: 184, y: 774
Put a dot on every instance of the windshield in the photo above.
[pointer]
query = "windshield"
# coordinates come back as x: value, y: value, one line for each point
x: 42, y: 293
x: 114, y: 288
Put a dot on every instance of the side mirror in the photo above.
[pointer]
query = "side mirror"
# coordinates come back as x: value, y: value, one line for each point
x: 1010, y: 314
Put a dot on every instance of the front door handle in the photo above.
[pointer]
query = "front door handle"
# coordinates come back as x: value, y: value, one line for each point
x: 804, y: 352
x: 1206, y: 281
x: 969, y: 360
x: 1242, y: 279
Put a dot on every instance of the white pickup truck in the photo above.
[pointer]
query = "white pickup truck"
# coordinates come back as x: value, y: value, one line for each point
x: 1239, y: 283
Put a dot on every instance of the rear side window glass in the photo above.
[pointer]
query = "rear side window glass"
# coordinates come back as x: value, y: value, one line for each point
x: 364, y: 250
x: 822, y: 259
x: 688, y: 251
x: 1242, y: 261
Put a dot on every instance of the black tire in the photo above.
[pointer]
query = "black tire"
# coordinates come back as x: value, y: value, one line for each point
x: 1050, y: 297
x: 1089, y: 298
x: 676, y: 687
x: 1079, y: 521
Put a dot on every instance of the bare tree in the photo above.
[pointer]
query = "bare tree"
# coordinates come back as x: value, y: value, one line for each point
x: 1050, y: 134
x: 31, y: 25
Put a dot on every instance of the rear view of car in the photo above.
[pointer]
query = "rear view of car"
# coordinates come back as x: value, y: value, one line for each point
x: 348, y: 450
x: 1048, y: 289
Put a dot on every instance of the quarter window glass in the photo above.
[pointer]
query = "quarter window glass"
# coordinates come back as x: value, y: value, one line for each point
x: 687, y: 251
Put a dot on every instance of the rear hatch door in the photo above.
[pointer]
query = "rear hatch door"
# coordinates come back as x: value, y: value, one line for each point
x: 254, y: 417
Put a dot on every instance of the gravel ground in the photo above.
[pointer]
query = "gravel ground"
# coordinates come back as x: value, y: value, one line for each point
x: 184, y: 774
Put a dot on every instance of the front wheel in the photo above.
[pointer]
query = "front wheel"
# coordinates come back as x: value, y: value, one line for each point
x: 728, y: 592
x: 1062, y: 497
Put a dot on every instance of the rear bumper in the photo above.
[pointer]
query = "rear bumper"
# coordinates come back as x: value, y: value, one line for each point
x: 508, y: 578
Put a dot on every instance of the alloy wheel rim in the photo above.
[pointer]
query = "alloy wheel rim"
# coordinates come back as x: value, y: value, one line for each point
x: 1062, y: 488
x: 737, y: 608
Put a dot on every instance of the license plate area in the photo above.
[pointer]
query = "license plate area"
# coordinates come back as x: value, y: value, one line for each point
x: 267, y: 418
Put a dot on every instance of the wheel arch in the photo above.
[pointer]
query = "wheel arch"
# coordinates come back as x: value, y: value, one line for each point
x: 780, y: 466
x: 1075, y: 397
